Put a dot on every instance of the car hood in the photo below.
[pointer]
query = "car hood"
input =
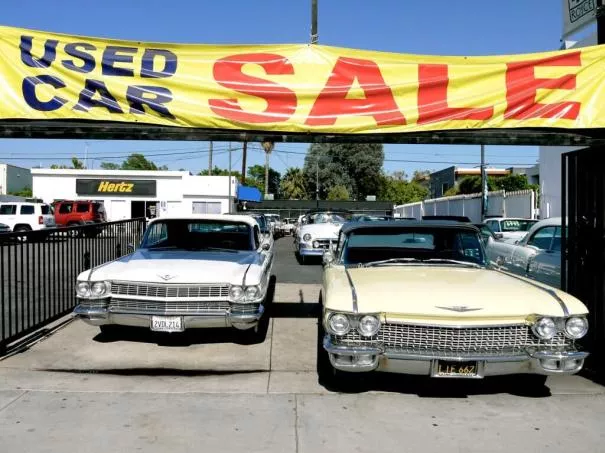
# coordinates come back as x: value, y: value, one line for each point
x: 449, y: 293
x: 177, y: 266
x: 321, y: 230
x: 513, y: 236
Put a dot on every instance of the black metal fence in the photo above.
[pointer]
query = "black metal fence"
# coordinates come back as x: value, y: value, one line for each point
x: 38, y: 270
x: 583, y: 264
x: 295, y: 208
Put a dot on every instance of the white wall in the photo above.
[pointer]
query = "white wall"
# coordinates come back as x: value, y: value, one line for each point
x: 550, y: 179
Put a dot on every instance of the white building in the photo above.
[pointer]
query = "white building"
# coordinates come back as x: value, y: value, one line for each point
x: 131, y: 193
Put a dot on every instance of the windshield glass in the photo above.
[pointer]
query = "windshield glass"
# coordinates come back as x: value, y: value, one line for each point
x: 516, y: 225
x: 262, y: 222
x: 198, y: 235
x: 376, y: 244
x: 326, y: 217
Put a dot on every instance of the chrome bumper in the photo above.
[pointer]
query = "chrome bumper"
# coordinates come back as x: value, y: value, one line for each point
x: 365, y: 358
x: 218, y: 318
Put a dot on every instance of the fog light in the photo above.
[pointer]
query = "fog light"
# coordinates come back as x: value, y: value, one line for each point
x: 365, y: 359
x: 549, y: 364
x: 315, y: 244
x: 342, y: 359
x: 569, y: 365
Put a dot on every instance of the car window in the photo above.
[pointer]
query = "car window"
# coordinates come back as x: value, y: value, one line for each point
x: 158, y: 232
x: 82, y: 207
x: 493, y: 225
x: 256, y: 237
x: 543, y: 238
x: 45, y: 209
x: 556, y: 241
x: 27, y: 209
x: 517, y: 225
x: 8, y: 209
x: 65, y: 208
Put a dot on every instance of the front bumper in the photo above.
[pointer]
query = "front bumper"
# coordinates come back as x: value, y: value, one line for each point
x: 219, y: 318
x: 310, y: 251
x: 366, y: 358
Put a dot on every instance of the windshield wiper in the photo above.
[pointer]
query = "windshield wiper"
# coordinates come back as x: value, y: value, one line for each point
x: 391, y: 261
x: 449, y: 261
x: 212, y: 249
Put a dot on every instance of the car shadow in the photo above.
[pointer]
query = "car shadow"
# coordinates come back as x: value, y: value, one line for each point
x: 308, y: 260
x: 426, y: 387
x: 295, y: 310
x: 192, y: 337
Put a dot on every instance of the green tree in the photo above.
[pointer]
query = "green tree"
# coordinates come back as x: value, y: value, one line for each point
x: 75, y: 164
x: 257, y: 173
x: 421, y: 175
x: 292, y: 185
x: 25, y: 192
x: 109, y: 166
x: 138, y: 162
x: 216, y: 171
x: 472, y: 184
x: 356, y: 166
x: 399, y: 191
x: 337, y: 193
x: 511, y: 183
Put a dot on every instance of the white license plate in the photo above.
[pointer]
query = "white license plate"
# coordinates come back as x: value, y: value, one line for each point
x: 167, y: 323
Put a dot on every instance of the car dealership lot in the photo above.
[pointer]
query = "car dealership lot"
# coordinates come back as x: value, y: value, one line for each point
x: 161, y: 392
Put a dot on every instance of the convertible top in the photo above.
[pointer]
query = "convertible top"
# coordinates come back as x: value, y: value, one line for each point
x: 405, y: 224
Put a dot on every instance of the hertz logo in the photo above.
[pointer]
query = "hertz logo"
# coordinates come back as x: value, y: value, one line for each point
x: 112, y: 187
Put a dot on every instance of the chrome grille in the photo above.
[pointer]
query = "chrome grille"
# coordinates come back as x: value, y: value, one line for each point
x: 166, y: 307
x: 430, y: 339
x: 213, y: 291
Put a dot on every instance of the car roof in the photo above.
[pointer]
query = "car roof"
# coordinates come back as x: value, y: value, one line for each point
x: 417, y: 224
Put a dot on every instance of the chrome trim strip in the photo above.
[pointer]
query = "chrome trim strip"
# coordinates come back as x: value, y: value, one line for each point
x: 560, y: 355
x: 457, y: 358
x: 353, y: 292
x: 547, y: 290
x: 347, y: 350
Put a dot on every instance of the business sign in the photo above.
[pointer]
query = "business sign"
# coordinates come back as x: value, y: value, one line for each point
x: 294, y: 88
x: 122, y: 187
x: 577, y: 14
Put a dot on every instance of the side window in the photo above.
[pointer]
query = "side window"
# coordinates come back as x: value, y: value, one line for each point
x: 256, y: 237
x: 341, y: 244
x: 543, y: 238
x: 494, y: 226
x: 27, y: 209
x: 82, y: 207
x: 65, y: 208
x: 8, y: 209
x: 556, y: 241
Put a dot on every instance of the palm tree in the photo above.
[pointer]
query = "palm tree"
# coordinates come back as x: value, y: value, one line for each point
x: 268, y: 147
x: 293, y: 184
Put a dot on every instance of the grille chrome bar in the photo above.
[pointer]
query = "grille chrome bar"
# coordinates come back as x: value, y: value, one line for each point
x: 166, y: 291
x: 464, y: 340
x: 168, y: 308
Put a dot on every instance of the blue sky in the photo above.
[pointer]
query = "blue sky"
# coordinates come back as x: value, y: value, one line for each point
x: 440, y: 27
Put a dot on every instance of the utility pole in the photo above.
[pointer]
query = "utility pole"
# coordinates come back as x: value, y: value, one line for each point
x: 210, y: 159
x: 317, y: 181
x: 268, y: 147
x: 600, y: 21
x: 314, y: 35
x: 483, y: 185
x: 229, y: 200
x: 244, y: 154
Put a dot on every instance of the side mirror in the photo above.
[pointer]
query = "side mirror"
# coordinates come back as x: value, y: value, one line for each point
x: 499, y: 235
x: 130, y: 248
x: 327, y: 258
x: 266, y: 246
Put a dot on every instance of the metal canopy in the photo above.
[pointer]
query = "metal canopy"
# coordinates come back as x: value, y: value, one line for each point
x: 125, y: 131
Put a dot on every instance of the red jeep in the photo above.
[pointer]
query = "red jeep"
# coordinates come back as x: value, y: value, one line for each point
x: 79, y: 212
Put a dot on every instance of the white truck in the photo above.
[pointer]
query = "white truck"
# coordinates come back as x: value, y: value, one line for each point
x: 27, y: 216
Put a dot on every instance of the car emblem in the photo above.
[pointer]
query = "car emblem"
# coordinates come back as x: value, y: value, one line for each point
x: 166, y: 277
x: 459, y: 308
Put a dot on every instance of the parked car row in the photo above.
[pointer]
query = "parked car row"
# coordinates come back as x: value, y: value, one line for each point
x: 414, y: 297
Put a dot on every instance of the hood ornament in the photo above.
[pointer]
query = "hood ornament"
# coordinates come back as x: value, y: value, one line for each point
x: 459, y: 308
x: 166, y: 277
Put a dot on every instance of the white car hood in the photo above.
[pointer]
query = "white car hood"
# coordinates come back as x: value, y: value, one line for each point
x: 178, y: 266
x: 513, y: 236
x: 321, y: 230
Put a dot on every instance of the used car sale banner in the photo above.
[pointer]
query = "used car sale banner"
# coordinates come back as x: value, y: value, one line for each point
x: 294, y: 88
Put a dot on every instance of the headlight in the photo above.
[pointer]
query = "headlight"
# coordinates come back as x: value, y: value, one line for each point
x: 545, y: 328
x: 307, y: 237
x: 252, y: 292
x: 315, y: 244
x: 83, y: 289
x: 368, y: 325
x: 339, y: 323
x: 98, y: 289
x: 236, y: 292
x: 576, y: 327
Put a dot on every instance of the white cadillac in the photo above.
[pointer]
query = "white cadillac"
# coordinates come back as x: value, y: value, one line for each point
x: 316, y: 232
x: 189, y: 272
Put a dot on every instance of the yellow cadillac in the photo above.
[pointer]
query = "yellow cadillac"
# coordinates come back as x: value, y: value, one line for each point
x: 419, y: 298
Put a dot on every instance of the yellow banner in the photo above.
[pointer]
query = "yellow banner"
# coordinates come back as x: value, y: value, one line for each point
x: 294, y: 88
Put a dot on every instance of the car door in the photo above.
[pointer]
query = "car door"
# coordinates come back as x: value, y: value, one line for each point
x: 545, y: 266
x: 8, y: 214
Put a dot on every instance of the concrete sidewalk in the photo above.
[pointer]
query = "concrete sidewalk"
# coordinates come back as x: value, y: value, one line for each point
x: 77, y: 391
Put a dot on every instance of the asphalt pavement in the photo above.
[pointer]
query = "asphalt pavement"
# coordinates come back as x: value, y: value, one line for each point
x: 78, y: 390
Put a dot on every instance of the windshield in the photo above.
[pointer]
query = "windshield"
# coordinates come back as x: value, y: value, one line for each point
x: 516, y: 225
x: 325, y: 217
x: 198, y: 235
x: 408, y: 244
x: 262, y: 222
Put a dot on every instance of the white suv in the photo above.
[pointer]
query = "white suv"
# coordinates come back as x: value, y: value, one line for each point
x: 23, y: 216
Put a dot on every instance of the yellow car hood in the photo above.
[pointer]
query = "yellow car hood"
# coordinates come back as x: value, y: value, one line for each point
x: 449, y: 293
